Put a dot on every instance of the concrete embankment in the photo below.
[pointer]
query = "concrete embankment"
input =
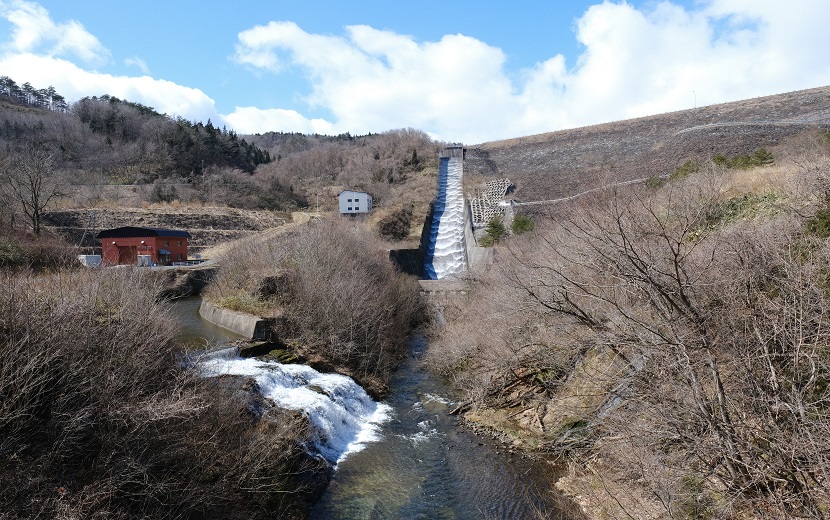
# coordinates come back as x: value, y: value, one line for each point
x: 246, y: 325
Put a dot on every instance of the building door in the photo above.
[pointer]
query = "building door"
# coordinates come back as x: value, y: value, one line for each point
x: 164, y: 257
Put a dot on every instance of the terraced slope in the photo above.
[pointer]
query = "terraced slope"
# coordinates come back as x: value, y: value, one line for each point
x: 208, y: 226
x: 560, y: 164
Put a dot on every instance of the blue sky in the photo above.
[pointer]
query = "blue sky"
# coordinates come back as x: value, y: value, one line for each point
x: 472, y: 71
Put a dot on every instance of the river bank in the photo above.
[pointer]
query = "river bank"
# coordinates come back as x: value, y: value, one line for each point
x: 423, y: 462
x: 104, y: 418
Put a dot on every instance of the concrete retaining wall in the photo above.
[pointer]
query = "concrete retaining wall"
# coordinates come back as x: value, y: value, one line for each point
x: 246, y: 325
x: 478, y: 258
x: 442, y: 292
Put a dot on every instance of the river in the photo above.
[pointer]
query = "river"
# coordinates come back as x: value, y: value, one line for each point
x: 418, y: 462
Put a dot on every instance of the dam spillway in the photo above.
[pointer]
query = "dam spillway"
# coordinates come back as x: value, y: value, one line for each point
x: 445, y: 252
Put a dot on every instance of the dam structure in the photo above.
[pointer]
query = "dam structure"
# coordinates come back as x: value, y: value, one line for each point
x: 445, y: 254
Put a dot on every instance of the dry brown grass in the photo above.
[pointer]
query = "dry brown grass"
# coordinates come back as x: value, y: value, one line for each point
x: 338, y: 298
x: 98, y: 419
x: 559, y: 164
x: 662, y: 338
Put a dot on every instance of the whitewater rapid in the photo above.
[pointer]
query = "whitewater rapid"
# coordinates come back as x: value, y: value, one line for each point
x: 343, y: 415
x: 445, y: 254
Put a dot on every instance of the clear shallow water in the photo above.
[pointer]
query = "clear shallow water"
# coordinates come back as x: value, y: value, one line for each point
x: 426, y: 467
x: 195, y: 332
x: 413, y: 461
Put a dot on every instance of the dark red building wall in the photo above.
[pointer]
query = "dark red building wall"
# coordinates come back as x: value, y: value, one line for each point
x: 115, y: 251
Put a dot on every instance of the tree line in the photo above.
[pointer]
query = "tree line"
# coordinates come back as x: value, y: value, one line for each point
x: 27, y: 94
x: 126, y: 141
x: 53, y: 146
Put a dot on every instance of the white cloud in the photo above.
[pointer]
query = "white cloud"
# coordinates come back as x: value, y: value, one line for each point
x: 39, y: 49
x: 252, y: 120
x: 634, y: 62
x: 74, y: 83
x: 34, y: 31
x: 139, y: 63
x: 373, y: 80
x: 640, y: 62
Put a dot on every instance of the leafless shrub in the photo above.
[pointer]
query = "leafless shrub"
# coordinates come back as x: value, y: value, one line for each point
x: 98, y: 420
x: 25, y: 250
x: 339, y: 296
x: 715, y: 399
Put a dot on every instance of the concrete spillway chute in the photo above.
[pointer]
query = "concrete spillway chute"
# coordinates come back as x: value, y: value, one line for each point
x: 445, y: 251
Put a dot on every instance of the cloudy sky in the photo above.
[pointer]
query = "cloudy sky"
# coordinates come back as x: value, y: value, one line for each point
x: 461, y: 71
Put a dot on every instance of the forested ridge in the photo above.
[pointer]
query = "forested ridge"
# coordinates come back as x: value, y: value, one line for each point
x: 103, y: 152
x: 28, y: 95
x: 125, y: 141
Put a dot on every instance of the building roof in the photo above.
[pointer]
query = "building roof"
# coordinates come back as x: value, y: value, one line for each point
x: 352, y: 191
x: 133, y: 232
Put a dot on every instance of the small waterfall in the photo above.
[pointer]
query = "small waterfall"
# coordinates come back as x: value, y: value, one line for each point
x: 445, y: 253
x: 344, y: 415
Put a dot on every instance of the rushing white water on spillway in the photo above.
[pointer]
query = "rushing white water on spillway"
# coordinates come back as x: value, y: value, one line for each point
x: 445, y: 254
x: 343, y: 414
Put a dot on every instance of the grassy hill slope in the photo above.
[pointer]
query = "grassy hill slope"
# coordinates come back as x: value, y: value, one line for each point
x: 563, y: 163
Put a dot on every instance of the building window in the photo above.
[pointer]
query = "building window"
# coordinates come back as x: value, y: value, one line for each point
x: 356, y: 208
x: 349, y: 200
x: 180, y: 257
x: 180, y: 243
x: 167, y: 243
x: 350, y: 208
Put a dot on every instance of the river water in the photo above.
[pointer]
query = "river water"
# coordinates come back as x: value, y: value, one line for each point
x: 416, y: 462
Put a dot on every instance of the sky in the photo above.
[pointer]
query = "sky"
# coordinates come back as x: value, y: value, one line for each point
x: 461, y: 71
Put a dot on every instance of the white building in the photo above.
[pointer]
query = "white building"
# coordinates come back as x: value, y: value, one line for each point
x: 353, y: 202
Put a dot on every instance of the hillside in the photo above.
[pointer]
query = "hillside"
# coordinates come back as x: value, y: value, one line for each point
x: 102, y: 161
x: 666, y: 339
x: 563, y: 163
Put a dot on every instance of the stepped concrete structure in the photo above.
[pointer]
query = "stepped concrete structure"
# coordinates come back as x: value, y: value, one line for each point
x: 487, y: 202
x: 445, y: 254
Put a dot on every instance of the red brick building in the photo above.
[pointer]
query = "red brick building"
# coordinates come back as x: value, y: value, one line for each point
x: 144, y: 246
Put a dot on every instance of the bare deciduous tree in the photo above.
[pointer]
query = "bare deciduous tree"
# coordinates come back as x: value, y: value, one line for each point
x: 29, y: 178
x: 724, y: 339
x: 713, y: 399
